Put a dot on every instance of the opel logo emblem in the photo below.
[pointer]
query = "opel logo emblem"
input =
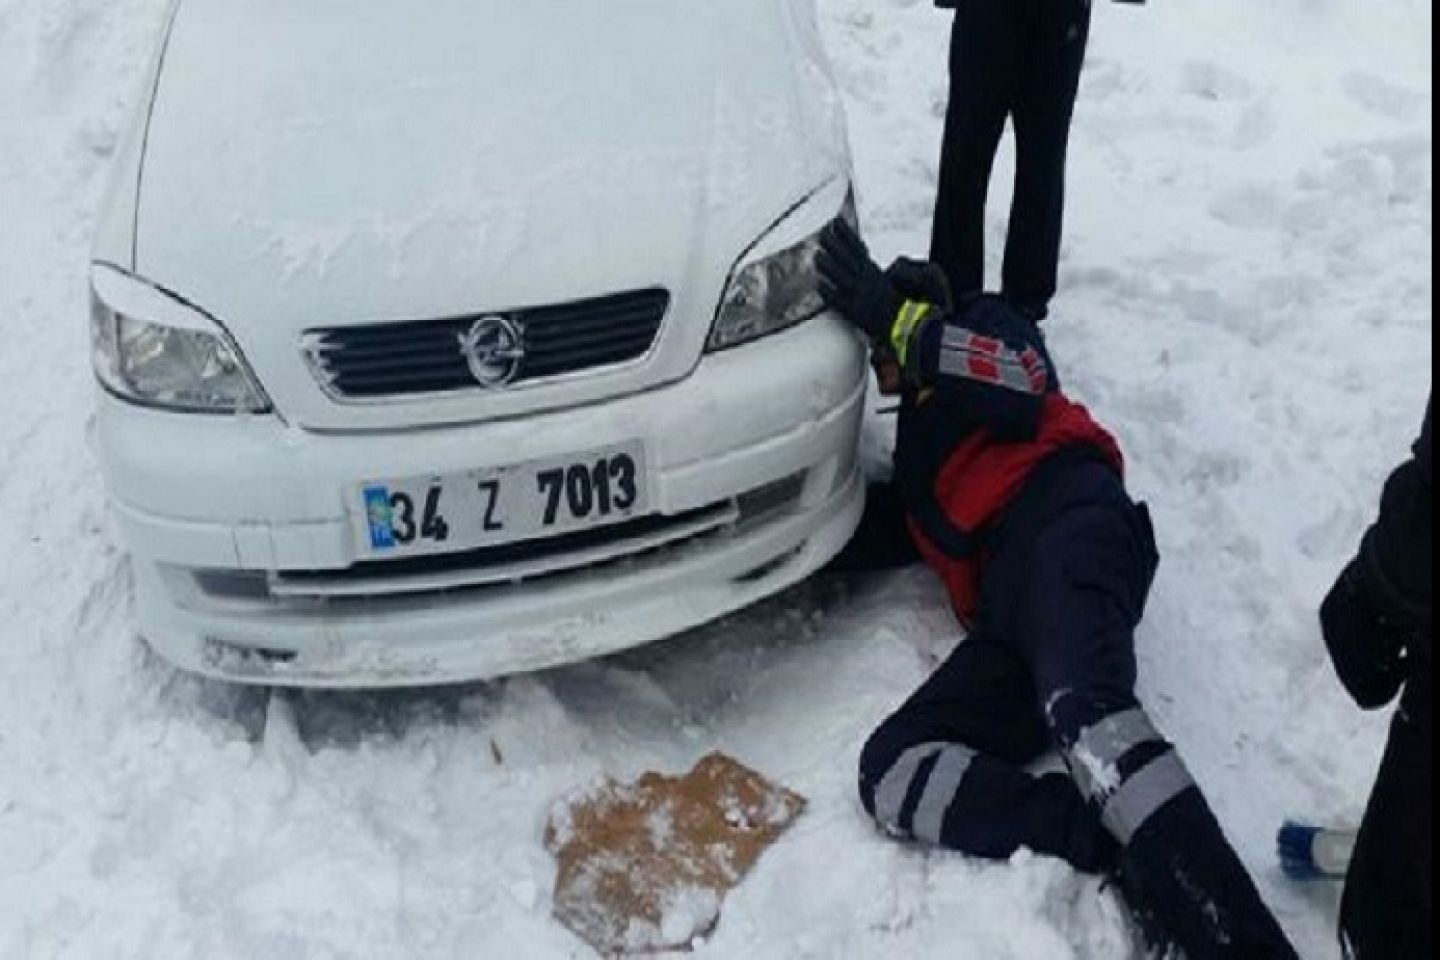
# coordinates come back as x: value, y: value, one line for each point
x: 494, y: 348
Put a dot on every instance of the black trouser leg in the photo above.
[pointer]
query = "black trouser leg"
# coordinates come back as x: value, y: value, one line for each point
x: 883, y: 541
x: 1389, y: 899
x: 1068, y: 584
x: 1056, y: 33
x: 946, y: 769
x: 985, y: 65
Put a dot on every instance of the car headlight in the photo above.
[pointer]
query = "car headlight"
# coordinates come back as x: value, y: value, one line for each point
x: 772, y: 294
x: 175, y: 366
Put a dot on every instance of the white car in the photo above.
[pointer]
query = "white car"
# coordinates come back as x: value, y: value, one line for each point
x: 458, y: 338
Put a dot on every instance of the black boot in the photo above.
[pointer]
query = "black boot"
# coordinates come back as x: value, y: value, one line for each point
x: 1036, y: 312
x: 1154, y: 937
x: 1078, y: 836
x: 1181, y: 874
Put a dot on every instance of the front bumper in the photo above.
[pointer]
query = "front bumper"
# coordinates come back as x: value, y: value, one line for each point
x: 753, y: 457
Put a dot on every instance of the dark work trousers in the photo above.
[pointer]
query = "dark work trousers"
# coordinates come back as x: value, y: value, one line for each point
x: 882, y: 541
x: 1389, y: 910
x: 1020, y: 60
x: 1052, y: 664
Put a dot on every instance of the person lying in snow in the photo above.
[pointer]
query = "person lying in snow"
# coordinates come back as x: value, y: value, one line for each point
x: 1015, y: 496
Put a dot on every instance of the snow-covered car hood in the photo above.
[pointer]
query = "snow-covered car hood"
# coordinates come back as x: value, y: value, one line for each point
x: 357, y: 161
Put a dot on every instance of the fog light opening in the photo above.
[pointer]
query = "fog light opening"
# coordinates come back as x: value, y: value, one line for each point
x: 233, y: 584
x: 771, y: 500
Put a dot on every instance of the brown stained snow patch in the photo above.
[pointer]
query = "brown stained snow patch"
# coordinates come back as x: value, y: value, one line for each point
x: 645, y: 867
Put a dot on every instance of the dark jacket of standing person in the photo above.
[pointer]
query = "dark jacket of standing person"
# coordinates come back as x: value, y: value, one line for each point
x: 1380, y: 628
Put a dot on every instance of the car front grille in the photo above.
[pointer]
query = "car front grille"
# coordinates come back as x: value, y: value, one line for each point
x: 387, y: 361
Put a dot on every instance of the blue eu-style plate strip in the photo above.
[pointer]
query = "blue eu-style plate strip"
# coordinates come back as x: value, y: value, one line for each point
x: 377, y: 513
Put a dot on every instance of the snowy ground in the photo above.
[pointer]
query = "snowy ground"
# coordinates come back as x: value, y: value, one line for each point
x: 1248, y: 301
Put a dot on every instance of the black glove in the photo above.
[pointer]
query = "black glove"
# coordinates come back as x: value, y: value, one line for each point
x: 922, y: 282
x: 1370, y: 653
x: 853, y: 284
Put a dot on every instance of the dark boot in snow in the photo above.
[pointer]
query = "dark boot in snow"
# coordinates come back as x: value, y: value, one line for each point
x: 1154, y: 938
x: 1182, y: 876
x: 1081, y: 841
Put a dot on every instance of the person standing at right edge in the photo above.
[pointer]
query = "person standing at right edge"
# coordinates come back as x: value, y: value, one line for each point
x: 1020, y: 60
x: 1379, y: 624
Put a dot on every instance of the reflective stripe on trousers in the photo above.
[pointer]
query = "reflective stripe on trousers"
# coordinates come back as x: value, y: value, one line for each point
x: 1128, y: 801
x: 937, y: 771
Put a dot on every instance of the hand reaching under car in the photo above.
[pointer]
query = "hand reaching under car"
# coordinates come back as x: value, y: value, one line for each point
x: 853, y: 284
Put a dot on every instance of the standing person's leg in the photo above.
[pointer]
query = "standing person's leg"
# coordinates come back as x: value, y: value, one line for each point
x: 1389, y: 898
x: 1056, y: 33
x: 1088, y: 571
x: 946, y: 768
x: 984, y: 67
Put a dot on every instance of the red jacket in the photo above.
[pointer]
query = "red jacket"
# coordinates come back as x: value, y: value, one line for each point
x: 983, y: 476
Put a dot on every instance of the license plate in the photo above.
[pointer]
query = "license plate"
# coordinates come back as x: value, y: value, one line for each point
x: 453, y: 513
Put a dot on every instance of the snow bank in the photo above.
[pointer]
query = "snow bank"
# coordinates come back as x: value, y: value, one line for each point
x: 1248, y: 301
